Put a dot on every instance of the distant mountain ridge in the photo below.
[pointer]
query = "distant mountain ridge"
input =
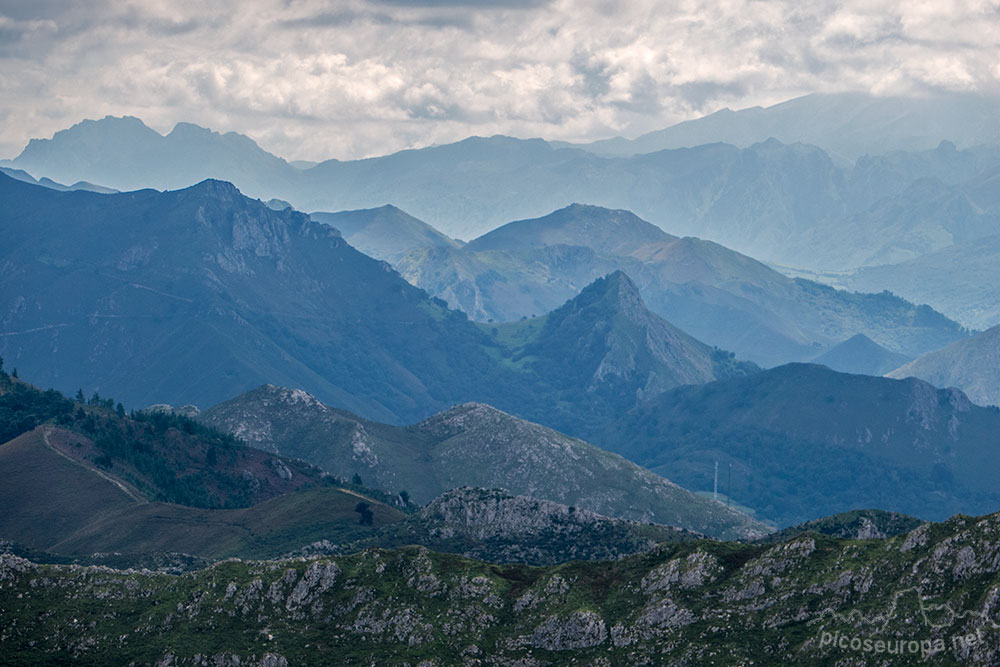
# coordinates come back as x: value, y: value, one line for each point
x: 771, y: 199
x: 861, y: 355
x: 726, y: 299
x: 386, y: 232
x: 849, y: 125
x: 223, y: 294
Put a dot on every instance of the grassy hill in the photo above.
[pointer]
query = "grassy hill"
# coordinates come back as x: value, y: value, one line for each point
x: 84, y: 478
x: 62, y: 503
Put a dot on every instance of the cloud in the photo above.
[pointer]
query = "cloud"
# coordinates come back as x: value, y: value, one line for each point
x: 315, y: 79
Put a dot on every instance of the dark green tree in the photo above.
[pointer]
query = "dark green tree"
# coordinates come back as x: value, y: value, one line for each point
x: 367, y: 516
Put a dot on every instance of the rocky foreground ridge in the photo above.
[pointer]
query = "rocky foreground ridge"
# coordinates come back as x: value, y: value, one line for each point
x: 929, y: 596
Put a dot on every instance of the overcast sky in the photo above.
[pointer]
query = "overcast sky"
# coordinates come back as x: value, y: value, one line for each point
x: 312, y: 79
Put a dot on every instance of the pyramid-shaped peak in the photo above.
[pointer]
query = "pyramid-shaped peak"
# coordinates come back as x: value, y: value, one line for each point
x: 615, y: 292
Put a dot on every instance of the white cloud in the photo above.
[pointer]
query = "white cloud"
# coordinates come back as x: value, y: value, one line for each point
x: 310, y: 79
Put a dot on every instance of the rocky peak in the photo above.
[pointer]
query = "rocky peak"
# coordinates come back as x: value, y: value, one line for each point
x: 464, y: 417
x: 486, y: 513
x: 214, y: 188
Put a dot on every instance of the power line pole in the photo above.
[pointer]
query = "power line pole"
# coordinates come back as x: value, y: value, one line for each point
x: 715, y: 487
x: 729, y: 489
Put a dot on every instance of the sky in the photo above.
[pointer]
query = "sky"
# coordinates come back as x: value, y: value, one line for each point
x: 315, y: 79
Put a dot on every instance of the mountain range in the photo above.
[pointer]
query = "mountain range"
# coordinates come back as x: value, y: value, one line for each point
x: 715, y: 294
x: 960, y: 280
x: 847, y: 125
x: 770, y: 199
x: 470, y: 445
x: 385, y: 233
x: 210, y: 293
x: 197, y: 295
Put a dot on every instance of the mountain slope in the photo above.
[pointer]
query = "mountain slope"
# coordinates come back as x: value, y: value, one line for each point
x: 613, y: 232
x: 385, y: 233
x: 927, y: 595
x: 861, y: 355
x: 804, y: 441
x: 972, y: 365
x: 68, y: 505
x: 715, y: 294
x: 83, y: 478
x: 605, y: 342
x: 960, y: 280
x: 21, y: 175
x: 849, y: 125
x: 210, y: 293
x: 468, y: 445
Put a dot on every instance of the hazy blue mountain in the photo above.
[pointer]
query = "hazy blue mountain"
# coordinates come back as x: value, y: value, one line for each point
x: 848, y: 125
x: 972, y: 365
x: 21, y: 175
x: 605, y: 343
x: 611, y: 232
x: 126, y: 154
x: 386, y: 232
x: 907, y: 205
x: 861, y: 355
x: 191, y: 296
x: 278, y: 204
x: 960, y: 280
x: 804, y: 441
x: 195, y: 295
x: 779, y: 202
x: 468, y: 445
x: 719, y: 296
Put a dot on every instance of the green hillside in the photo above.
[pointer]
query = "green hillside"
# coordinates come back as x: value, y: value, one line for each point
x: 929, y: 593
